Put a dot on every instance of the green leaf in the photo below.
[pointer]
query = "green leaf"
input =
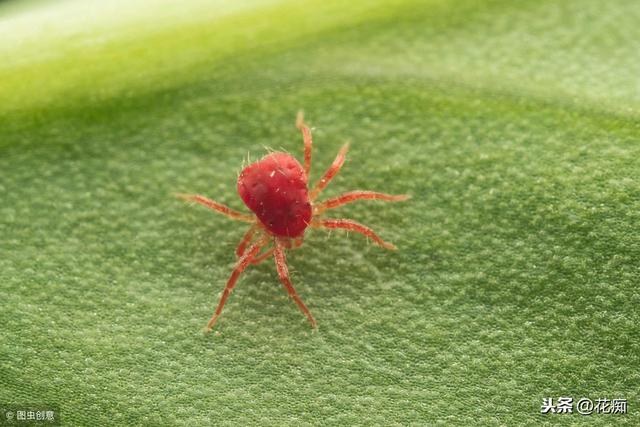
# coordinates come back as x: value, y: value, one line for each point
x: 513, y: 125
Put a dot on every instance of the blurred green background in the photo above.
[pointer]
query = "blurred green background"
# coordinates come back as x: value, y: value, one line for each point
x: 514, y: 125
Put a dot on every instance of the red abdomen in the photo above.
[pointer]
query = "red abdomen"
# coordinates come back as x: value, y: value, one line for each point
x: 275, y: 189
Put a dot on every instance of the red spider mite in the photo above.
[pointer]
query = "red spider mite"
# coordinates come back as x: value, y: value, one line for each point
x: 276, y: 190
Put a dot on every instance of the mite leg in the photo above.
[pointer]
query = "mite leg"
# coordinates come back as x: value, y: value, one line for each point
x: 349, y: 225
x: 283, y: 272
x: 331, y: 172
x: 241, y: 265
x: 257, y: 260
x: 297, y: 242
x: 306, y: 137
x: 248, y: 237
x: 352, y: 196
x: 218, y: 207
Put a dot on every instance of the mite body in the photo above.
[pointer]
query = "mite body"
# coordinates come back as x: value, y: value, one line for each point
x: 275, y: 189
